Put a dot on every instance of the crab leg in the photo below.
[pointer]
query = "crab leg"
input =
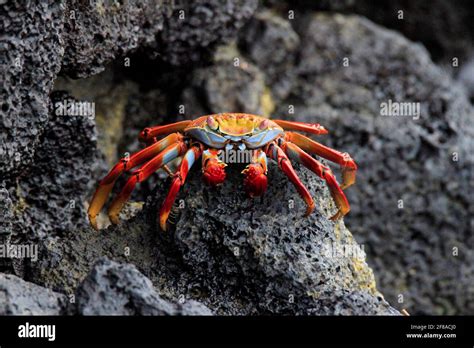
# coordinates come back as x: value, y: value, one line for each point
x: 348, y: 166
x: 141, y: 174
x: 107, y: 183
x: 255, y: 181
x: 178, y: 180
x: 313, y: 128
x: 297, y: 154
x: 149, y: 133
x: 276, y: 153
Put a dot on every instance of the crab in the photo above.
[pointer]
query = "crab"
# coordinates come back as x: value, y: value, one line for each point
x: 207, y: 137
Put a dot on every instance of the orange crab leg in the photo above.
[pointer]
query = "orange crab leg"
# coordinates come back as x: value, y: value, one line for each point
x: 150, y: 132
x: 347, y: 164
x: 313, y: 128
x: 276, y: 153
x: 297, y: 154
x: 255, y: 181
x: 178, y: 180
x: 107, y: 183
x: 141, y: 174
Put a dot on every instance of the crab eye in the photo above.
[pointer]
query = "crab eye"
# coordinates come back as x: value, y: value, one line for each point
x: 263, y: 124
x: 212, y: 123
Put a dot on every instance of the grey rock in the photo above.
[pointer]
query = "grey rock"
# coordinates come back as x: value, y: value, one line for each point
x: 95, y: 33
x: 466, y: 77
x: 120, y: 289
x: 443, y: 27
x: 6, y: 214
x: 399, y: 158
x: 81, y: 39
x: 18, y: 297
x: 235, y: 255
x: 225, y: 87
x: 195, y: 27
x: 270, y: 42
x: 55, y: 186
x: 262, y: 256
x: 6, y: 225
x: 232, y: 254
x: 28, y: 70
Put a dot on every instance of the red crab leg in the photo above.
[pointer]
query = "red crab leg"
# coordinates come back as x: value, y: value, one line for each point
x: 297, y: 154
x: 276, y: 153
x: 150, y: 132
x: 141, y: 174
x: 178, y: 180
x: 255, y: 181
x: 107, y: 183
x: 348, y: 166
x: 313, y: 128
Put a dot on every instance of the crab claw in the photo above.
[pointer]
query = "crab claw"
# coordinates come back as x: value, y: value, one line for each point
x: 214, y: 173
x: 255, y: 181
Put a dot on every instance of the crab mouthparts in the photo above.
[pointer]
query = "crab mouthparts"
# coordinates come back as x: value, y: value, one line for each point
x: 234, y: 146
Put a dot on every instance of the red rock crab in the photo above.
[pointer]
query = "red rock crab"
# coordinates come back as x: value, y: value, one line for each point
x: 207, y: 137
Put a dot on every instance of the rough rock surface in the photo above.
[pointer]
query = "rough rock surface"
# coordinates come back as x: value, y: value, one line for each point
x: 45, y: 160
x: 195, y: 27
x: 64, y: 160
x: 28, y: 70
x: 273, y: 260
x: 234, y: 255
x: 444, y: 27
x: 120, y: 289
x: 399, y: 158
x: 6, y: 215
x: 271, y: 43
x: 18, y: 297
x: 81, y: 38
x: 95, y: 33
x: 225, y: 86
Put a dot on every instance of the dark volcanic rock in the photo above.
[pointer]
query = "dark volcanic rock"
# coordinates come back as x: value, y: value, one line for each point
x: 95, y: 33
x: 270, y: 42
x: 466, y: 77
x: 81, y: 38
x: 233, y: 254
x: 195, y: 27
x: 18, y: 297
x: 120, y: 289
x: 6, y: 215
x: 225, y: 86
x: 29, y: 67
x: 424, y: 164
x: 47, y: 161
x: 264, y: 256
x: 443, y: 27
x: 54, y: 188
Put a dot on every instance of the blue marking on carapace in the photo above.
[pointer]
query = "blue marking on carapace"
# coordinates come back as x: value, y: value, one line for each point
x: 263, y: 138
x: 211, y: 139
